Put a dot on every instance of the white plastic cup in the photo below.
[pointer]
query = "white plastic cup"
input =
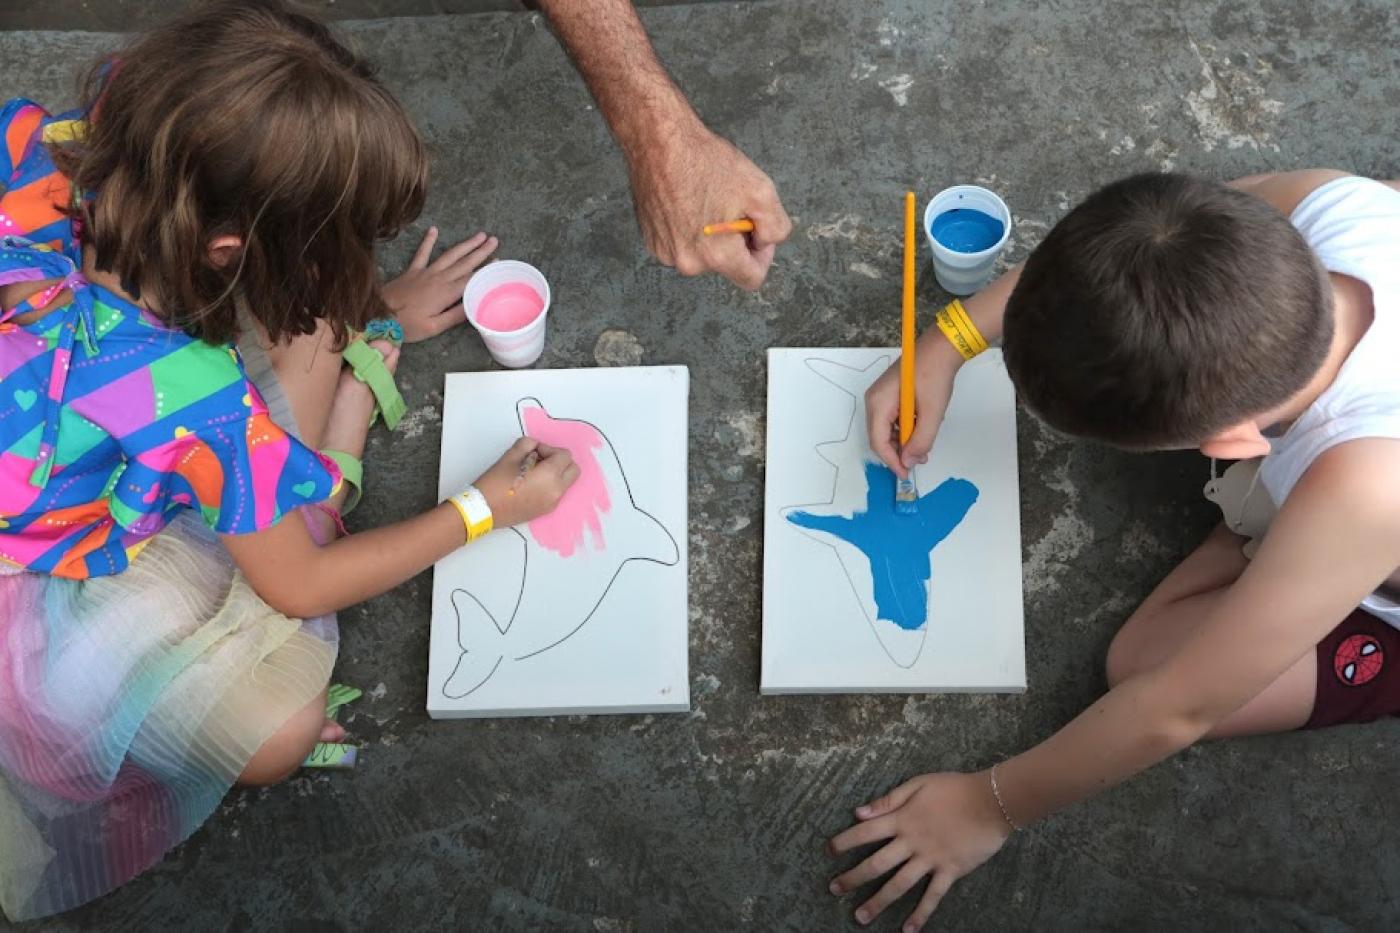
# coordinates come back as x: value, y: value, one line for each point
x: 965, y: 273
x: 513, y: 348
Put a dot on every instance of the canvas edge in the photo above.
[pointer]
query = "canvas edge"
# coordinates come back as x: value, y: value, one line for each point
x: 764, y: 673
x: 994, y: 357
x: 1000, y: 690
x: 448, y: 393
x: 683, y: 545
x: 683, y: 702
x: 441, y: 713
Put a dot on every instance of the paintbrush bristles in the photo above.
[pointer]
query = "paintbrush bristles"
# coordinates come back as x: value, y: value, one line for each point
x: 906, y: 496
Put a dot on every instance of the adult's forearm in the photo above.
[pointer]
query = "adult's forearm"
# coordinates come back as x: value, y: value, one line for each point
x: 610, y: 48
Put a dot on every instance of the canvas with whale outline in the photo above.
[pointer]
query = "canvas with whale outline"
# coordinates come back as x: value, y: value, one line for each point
x: 858, y: 599
x: 583, y: 610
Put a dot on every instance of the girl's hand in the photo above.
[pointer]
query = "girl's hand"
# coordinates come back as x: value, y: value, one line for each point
x: 943, y: 825
x: 515, y: 498
x: 936, y: 364
x: 427, y: 299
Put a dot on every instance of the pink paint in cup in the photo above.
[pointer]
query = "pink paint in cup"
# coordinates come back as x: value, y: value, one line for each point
x: 507, y: 301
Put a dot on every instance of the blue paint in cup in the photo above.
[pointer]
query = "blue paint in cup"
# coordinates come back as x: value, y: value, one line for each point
x: 965, y: 230
x: 967, y: 227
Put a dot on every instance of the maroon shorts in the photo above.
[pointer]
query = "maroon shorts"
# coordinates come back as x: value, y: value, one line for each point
x: 1358, y: 672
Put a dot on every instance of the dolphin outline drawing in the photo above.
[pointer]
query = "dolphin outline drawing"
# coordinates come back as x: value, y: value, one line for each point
x: 470, y: 674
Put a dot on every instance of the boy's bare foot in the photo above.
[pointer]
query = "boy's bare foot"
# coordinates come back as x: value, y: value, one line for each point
x: 332, y: 732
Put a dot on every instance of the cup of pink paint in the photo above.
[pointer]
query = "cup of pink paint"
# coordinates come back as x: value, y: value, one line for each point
x: 507, y: 302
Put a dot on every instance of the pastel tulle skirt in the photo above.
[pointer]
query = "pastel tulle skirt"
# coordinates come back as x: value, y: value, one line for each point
x: 129, y: 705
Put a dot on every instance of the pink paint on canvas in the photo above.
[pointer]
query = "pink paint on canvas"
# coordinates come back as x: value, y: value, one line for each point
x: 582, y: 508
x: 509, y: 307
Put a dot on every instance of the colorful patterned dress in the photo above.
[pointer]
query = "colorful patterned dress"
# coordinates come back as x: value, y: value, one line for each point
x: 138, y: 671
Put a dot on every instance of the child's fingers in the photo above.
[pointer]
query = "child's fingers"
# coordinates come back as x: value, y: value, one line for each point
x: 389, y: 352
x: 889, y: 803
x: 469, y: 263
x: 892, y: 890
x: 889, y: 857
x: 879, y: 423
x: 559, y: 463
x: 452, y: 254
x: 937, y: 887
x: 446, y: 319
x: 425, y: 249
x: 523, y: 446
x: 862, y: 834
x: 921, y: 441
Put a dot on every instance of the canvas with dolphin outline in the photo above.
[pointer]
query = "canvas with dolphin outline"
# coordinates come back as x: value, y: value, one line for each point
x: 582, y: 610
x: 858, y: 598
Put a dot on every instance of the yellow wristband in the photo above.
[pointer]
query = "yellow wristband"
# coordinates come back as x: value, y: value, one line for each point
x: 475, y: 512
x: 955, y: 323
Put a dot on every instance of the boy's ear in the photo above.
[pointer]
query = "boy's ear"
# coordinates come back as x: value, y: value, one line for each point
x: 1243, y: 441
x: 222, y: 249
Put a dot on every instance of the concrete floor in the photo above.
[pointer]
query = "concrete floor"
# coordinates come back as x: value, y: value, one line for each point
x: 715, y: 820
x: 121, y: 15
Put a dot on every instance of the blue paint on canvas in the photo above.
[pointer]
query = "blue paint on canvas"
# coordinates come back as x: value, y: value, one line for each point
x: 897, y: 546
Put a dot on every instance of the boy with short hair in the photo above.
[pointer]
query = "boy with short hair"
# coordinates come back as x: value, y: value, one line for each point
x: 1259, y: 322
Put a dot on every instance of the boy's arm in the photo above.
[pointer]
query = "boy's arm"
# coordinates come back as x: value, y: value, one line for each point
x: 936, y: 363
x: 1336, y: 538
x: 683, y: 175
x: 1286, y: 190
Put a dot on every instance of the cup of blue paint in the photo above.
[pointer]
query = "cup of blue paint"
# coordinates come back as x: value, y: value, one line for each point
x: 967, y: 227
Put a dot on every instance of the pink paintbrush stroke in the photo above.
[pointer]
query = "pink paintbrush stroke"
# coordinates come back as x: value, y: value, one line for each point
x: 583, y: 506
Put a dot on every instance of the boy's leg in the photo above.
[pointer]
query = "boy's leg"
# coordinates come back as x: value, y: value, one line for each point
x: 1178, y: 606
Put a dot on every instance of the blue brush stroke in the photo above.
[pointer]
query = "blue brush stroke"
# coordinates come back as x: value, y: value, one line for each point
x: 898, y: 546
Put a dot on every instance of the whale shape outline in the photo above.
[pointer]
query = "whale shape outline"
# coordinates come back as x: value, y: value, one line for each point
x: 853, y: 374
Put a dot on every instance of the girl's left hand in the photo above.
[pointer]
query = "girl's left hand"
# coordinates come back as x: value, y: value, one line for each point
x: 943, y: 825
x: 427, y: 298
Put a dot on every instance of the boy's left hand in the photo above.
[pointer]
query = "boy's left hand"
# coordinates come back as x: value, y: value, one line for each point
x: 427, y: 298
x: 943, y: 825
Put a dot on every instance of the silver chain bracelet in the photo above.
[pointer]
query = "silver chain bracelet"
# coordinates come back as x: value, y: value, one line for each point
x: 1001, y: 804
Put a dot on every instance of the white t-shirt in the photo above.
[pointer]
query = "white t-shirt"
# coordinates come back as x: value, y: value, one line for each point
x: 1353, y: 224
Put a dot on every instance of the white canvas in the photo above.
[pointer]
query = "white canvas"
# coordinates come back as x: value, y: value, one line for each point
x: 565, y: 616
x: 826, y: 629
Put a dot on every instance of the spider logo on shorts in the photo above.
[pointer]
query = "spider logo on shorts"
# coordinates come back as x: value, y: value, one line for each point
x: 1358, y: 660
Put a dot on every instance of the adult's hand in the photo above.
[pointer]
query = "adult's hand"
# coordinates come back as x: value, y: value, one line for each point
x: 683, y: 175
x: 685, y: 180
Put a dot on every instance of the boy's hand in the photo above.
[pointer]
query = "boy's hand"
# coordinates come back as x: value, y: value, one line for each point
x: 943, y: 825
x: 933, y: 387
x: 427, y: 298
x: 514, y: 498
